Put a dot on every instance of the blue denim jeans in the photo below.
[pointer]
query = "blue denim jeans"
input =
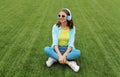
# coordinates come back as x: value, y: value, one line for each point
x: 73, y: 54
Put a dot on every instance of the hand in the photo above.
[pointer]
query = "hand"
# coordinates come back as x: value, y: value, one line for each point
x: 61, y: 60
x: 64, y: 58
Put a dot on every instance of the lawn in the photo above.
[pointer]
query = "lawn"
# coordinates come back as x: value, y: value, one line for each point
x: 25, y: 29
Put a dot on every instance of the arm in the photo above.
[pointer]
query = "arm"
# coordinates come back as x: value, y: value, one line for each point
x: 57, y: 50
x: 72, y: 38
x: 66, y: 53
x: 55, y: 43
x: 54, y: 36
x: 61, y: 58
x: 70, y: 43
x: 55, y: 40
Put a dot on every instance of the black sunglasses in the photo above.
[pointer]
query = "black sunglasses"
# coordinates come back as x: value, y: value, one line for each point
x: 60, y: 15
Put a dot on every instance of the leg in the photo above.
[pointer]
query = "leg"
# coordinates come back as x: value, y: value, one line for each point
x: 73, y: 54
x: 50, y: 52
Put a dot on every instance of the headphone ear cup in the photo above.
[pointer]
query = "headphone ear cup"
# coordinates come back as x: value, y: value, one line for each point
x: 68, y: 18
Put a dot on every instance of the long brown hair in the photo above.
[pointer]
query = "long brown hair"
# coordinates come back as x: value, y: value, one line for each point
x: 69, y: 23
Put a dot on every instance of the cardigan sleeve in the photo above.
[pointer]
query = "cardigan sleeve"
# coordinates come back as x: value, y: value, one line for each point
x: 54, y: 35
x: 72, y: 38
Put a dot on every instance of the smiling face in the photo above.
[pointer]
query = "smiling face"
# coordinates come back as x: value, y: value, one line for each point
x: 62, y: 16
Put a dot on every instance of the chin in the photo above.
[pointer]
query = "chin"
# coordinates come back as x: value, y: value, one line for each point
x: 62, y: 21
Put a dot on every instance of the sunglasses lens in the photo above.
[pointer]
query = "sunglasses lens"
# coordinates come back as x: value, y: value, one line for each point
x: 63, y: 16
x: 59, y: 15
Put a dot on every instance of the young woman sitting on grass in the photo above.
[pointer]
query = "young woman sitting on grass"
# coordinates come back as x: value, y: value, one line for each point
x: 63, y: 49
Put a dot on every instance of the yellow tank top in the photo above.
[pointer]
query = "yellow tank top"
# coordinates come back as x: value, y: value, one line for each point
x: 63, y: 38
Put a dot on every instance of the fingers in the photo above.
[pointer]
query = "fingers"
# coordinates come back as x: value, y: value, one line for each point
x: 62, y: 60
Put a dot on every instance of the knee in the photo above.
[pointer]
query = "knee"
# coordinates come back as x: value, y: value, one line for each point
x: 46, y: 49
x: 78, y: 52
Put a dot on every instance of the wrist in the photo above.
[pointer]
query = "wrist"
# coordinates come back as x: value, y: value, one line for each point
x: 64, y: 54
x: 59, y: 55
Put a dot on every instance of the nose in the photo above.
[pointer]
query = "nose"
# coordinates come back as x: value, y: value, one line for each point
x: 60, y: 18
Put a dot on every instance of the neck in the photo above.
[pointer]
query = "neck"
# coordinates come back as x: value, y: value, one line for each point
x: 64, y: 25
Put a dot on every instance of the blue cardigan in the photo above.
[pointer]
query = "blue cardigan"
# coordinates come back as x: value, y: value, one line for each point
x: 56, y: 32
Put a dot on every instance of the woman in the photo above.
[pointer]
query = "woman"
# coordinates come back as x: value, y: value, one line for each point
x: 63, y: 49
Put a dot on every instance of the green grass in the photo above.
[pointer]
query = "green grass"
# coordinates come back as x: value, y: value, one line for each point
x: 25, y: 29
